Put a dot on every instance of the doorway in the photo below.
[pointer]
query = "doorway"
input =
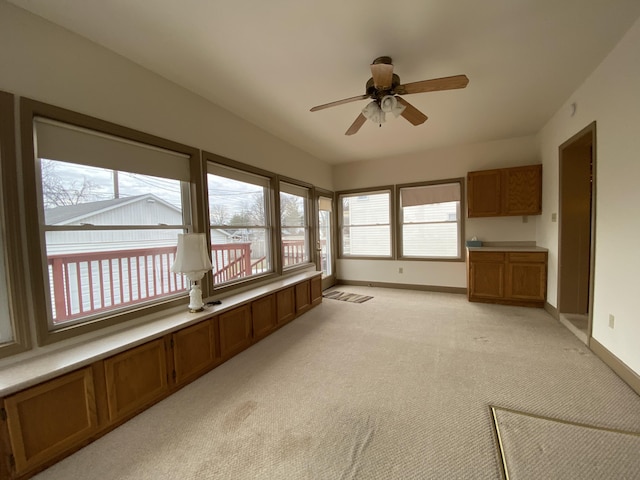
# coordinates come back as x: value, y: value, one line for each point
x: 325, y: 244
x: 576, y: 232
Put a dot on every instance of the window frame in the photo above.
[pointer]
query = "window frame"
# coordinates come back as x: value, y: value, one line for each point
x: 460, y: 221
x: 308, y: 226
x: 209, y: 158
x: 13, y: 252
x: 30, y: 109
x: 390, y: 189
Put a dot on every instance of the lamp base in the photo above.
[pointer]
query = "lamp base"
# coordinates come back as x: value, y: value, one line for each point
x: 195, y: 299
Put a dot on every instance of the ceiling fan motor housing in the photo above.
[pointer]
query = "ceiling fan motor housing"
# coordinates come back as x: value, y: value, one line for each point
x: 376, y: 94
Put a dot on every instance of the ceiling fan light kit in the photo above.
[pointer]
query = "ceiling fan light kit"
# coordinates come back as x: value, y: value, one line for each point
x: 382, y: 88
x: 376, y: 111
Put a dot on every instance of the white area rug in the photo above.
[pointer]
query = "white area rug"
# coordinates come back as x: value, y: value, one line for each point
x: 535, y: 447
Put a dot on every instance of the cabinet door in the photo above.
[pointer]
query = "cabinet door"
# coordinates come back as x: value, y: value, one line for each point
x: 286, y: 305
x: 484, y: 193
x: 51, y: 418
x: 527, y: 276
x: 523, y: 190
x: 263, y: 316
x: 135, y: 378
x: 303, y: 297
x: 235, y: 331
x: 486, y: 275
x: 194, y: 351
x: 316, y: 290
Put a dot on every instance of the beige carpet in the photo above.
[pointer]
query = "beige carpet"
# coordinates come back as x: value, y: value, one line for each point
x: 398, y: 387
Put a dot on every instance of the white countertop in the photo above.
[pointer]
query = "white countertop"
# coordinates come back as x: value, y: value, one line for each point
x: 508, y: 249
x: 37, y: 369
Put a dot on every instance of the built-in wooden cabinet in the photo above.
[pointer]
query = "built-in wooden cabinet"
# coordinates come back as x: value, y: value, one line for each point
x: 135, y: 379
x: 263, y: 316
x: 513, y: 278
x: 505, y: 192
x: 303, y: 297
x: 285, y: 305
x: 51, y: 419
x: 316, y: 290
x: 48, y: 421
x: 194, y: 351
x: 235, y: 331
x: 486, y: 275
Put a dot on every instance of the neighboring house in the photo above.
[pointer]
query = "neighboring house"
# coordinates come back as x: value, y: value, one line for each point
x: 139, y: 210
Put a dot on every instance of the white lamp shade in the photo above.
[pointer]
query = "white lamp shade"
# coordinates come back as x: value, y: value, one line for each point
x: 373, y: 112
x: 389, y: 104
x: 192, y: 256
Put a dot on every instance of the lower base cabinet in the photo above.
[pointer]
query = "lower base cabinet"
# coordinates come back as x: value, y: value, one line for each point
x: 235, y: 331
x: 285, y: 305
x: 135, y: 379
x: 50, y: 419
x: 194, y: 351
x: 263, y: 316
x: 44, y: 423
x: 511, y: 278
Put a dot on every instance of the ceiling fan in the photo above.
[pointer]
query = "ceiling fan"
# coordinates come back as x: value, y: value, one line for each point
x: 384, y: 88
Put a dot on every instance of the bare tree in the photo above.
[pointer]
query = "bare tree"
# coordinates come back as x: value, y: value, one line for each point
x: 58, y: 192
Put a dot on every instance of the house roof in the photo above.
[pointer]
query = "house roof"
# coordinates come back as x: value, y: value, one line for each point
x: 74, y: 213
x: 270, y: 62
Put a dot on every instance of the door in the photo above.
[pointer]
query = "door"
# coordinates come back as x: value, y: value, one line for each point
x: 325, y: 244
x: 576, y: 229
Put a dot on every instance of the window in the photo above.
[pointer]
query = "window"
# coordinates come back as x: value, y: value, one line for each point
x: 239, y: 218
x: 294, y: 224
x: 365, y: 224
x: 110, y: 209
x: 429, y: 217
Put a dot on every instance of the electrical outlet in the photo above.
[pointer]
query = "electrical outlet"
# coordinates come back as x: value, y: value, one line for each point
x: 612, y: 321
x: 400, y: 270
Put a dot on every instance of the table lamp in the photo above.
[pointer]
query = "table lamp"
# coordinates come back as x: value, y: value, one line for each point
x: 192, y: 259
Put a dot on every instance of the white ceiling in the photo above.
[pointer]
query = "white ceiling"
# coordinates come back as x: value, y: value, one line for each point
x: 270, y: 61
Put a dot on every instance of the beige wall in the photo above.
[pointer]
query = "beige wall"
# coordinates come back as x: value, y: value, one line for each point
x: 435, y: 165
x: 610, y: 97
x: 50, y: 64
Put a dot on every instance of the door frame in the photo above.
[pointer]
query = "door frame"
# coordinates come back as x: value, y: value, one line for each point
x: 586, y: 136
x: 330, y: 280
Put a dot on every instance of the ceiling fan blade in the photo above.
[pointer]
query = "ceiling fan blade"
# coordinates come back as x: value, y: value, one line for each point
x: 382, y: 74
x: 339, y: 102
x: 433, y: 85
x: 355, y: 126
x: 411, y: 113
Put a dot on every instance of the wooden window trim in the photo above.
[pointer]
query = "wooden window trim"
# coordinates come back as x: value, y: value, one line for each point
x: 13, y: 250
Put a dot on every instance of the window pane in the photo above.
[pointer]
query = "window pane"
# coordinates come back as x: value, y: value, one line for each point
x: 240, y: 232
x: 92, y: 272
x: 295, y: 231
x: 367, y: 241
x: 431, y: 229
x: 81, y: 195
x: 370, y: 209
x: 430, y: 240
x: 366, y: 229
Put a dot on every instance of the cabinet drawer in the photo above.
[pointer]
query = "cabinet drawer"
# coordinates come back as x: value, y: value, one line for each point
x: 527, y: 257
x: 486, y: 256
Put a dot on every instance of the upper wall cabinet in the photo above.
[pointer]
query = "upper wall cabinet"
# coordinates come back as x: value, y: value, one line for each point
x: 505, y: 191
